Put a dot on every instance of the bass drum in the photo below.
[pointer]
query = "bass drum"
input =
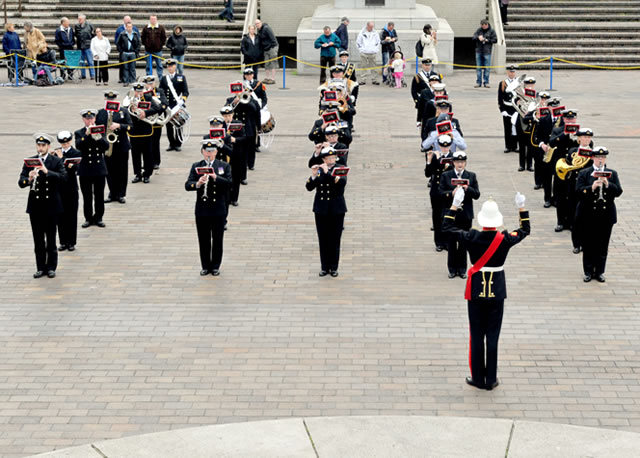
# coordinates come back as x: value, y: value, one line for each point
x: 267, y: 122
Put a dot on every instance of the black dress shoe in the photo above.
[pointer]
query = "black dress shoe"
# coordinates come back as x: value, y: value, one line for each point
x: 547, y: 204
x: 586, y: 278
x: 530, y: 169
x: 100, y: 224
x: 576, y: 250
x: 62, y: 247
x: 71, y: 247
x: 51, y: 274
x: 177, y: 148
x: 507, y: 150
x: 145, y: 180
x: 252, y: 168
x: 245, y: 182
x: 520, y: 169
x: 136, y: 179
x: 493, y: 385
x: 333, y: 273
x: 108, y: 200
x: 38, y: 274
x: 559, y: 228
x: 473, y: 383
x: 452, y: 275
x: 171, y: 148
x: 234, y: 203
x: 462, y: 274
x: 204, y: 272
x: 601, y: 278
x: 439, y: 248
x: 156, y: 166
x: 122, y: 200
x: 258, y: 149
x: 322, y: 273
x: 86, y: 224
x: 215, y: 272
x: 538, y: 186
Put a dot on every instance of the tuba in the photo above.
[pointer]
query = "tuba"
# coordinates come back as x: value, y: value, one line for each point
x: 522, y: 103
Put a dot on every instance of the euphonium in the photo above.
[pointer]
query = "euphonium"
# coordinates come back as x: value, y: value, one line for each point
x: 563, y: 169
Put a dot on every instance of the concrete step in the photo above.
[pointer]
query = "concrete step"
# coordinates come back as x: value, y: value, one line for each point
x: 533, y: 26
x: 559, y: 8
x: 577, y: 4
x: 578, y: 50
x: 567, y: 15
x: 572, y: 35
x: 582, y: 43
x: 609, y: 58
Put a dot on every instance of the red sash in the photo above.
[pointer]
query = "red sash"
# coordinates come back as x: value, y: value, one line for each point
x: 482, y: 261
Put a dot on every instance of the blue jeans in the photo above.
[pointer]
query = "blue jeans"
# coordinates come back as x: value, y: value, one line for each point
x: 87, y: 56
x: 46, y: 69
x: 482, y: 60
x: 155, y: 57
x: 180, y: 60
x: 129, y: 69
x: 385, y: 59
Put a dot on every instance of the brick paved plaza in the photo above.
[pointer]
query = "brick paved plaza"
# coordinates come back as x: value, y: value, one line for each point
x: 130, y: 339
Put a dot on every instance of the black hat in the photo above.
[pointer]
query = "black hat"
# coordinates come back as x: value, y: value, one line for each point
x: 42, y: 139
x: 459, y: 156
x: 530, y: 80
x: 442, y: 103
x: 569, y: 113
x: 110, y: 95
x: 600, y: 151
x: 209, y: 145
x: 544, y: 95
x: 138, y: 87
x: 512, y: 67
x: 326, y: 152
x: 64, y: 136
x: 248, y: 70
x: 89, y: 113
x: 227, y: 109
x: 331, y: 130
x: 344, y: 52
x: 585, y: 131
x: 171, y: 62
x: 426, y: 60
x: 215, y: 119
x: 435, y: 78
x: 445, y: 140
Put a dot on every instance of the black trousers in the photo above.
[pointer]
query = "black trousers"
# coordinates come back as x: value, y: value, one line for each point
x: 172, y: 137
x: 561, y: 192
x: 329, y: 228
x: 210, y: 239
x: 102, y: 73
x: 251, y: 151
x: 236, y: 178
x: 503, y: 12
x: 118, y: 168
x: 68, y: 220
x: 43, y: 228
x: 436, y: 217
x: 595, y: 244
x: 525, y: 149
x: 457, y: 254
x: 547, y: 171
x: 485, y: 321
x: 93, y: 195
x: 155, y: 145
x: 510, y: 140
x: 324, y: 63
x: 141, y: 151
x: 537, y: 155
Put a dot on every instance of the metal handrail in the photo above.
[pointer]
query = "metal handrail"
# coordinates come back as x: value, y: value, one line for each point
x: 4, y: 7
x: 499, y: 54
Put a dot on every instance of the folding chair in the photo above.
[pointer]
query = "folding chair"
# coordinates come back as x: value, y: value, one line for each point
x: 22, y: 65
x: 72, y: 59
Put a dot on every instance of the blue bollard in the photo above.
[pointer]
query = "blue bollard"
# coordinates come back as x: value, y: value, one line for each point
x: 551, y: 73
x: 417, y: 65
x: 149, y: 65
x: 17, y: 73
x: 284, y: 73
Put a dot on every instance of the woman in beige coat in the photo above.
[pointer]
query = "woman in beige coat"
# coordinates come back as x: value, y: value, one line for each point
x: 34, y: 41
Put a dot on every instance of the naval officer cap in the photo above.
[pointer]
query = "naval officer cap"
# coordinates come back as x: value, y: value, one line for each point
x: 435, y: 78
x: 585, y: 131
x: 171, y: 62
x: 209, y: 145
x: 459, y: 156
x: 512, y: 67
x: 110, y: 95
x: 64, y: 136
x: 331, y: 130
x: 227, y: 109
x: 89, y: 113
x: 138, y: 87
x: 42, y: 139
x: 445, y: 140
x: 344, y: 52
x: 570, y: 113
x: 248, y: 70
x: 601, y: 151
x: 439, y: 87
x: 326, y: 152
x: 149, y: 79
x: 544, y: 95
x: 426, y: 60
x: 216, y: 119
x: 530, y: 80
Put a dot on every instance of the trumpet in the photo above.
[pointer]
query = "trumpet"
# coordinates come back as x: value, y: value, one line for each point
x: 243, y: 98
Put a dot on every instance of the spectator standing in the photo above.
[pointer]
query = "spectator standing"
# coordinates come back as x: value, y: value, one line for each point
x: 270, y: 48
x: 100, y: 48
x: 119, y: 30
x: 343, y: 33
x: 328, y: 42
x: 84, y: 34
x: 10, y: 40
x: 153, y: 38
x: 388, y: 39
x: 429, y: 40
x: 251, y: 50
x: 227, y: 12
x: 33, y: 40
x: 504, y: 4
x: 484, y: 38
x: 368, y: 44
x: 64, y: 38
x: 177, y: 43
x: 129, y: 48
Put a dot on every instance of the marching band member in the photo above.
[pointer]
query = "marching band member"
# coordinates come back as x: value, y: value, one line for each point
x: 524, y: 128
x: 439, y: 161
x: 457, y: 253
x: 317, y: 131
x: 331, y: 141
x: 541, y: 137
x: 486, y: 288
x: 141, y: 133
x: 248, y: 113
x: 562, y: 142
x: 68, y: 219
x: 239, y: 153
x: 175, y: 87
x: 259, y: 93
x: 44, y: 204
x: 118, y: 161
x: 329, y: 208
x: 443, y: 111
x: 419, y: 83
x: 344, y: 61
x: 505, y: 104
x: 159, y: 97
x: 432, y: 140
x: 211, y: 186
x: 597, y: 187
x: 428, y: 108
x: 531, y: 120
x: 92, y: 169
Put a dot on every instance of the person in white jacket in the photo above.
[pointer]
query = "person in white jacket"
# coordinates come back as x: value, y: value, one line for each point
x: 100, y: 48
x: 368, y: 44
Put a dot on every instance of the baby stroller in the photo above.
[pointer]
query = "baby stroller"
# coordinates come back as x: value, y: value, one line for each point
x: 389, y: 79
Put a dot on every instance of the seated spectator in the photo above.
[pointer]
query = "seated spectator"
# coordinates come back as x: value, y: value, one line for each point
x: 41, y: 67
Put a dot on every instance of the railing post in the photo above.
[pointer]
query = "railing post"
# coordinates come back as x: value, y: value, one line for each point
x: 284, y: 73
x: 149, y: 69
x: 551, y: 73
x: 416, y: 65
x: 16, y: 72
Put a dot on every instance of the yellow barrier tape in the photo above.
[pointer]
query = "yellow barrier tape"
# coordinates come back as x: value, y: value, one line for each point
x: 602, y: 67
x: 7, y: 55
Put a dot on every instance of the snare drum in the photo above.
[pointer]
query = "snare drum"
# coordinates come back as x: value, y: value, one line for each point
x: 267, y: 122
x: 180, y: 118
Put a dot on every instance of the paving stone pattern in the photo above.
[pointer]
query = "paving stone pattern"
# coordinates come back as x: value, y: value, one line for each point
x: 129, y: 339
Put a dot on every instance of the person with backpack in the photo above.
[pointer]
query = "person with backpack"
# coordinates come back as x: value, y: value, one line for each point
x: 426, y: 44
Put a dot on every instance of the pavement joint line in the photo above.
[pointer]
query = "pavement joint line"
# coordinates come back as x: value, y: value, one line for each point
x: 513, y: 426
x: 310, y: 438
x: 93, y: 446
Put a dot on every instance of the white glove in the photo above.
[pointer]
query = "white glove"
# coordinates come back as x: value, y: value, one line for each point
x: 519, y: 200
x: 505, y: 114
x: 458, y: 197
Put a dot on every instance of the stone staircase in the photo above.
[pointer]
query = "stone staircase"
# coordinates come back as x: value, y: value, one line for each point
x: 211, y: 41
x: 593, y: 32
